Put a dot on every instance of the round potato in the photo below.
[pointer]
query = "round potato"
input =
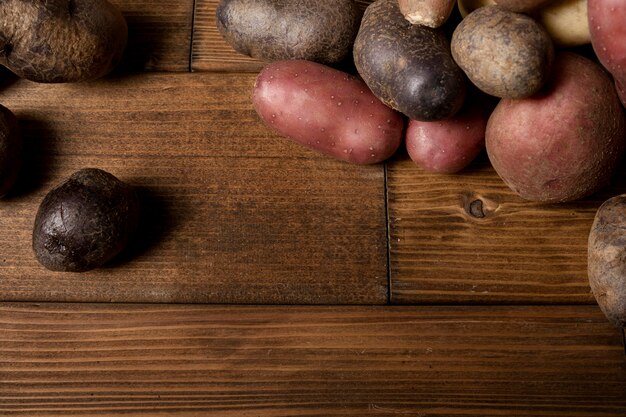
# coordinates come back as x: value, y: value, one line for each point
x: 327, y: 110
x: 57, y: 41
x: 271, y: 30
x: 503, y: 53
x: 448, y: 146
x: 85, y: 221
x: 564, y: 143
x: 606, y: 255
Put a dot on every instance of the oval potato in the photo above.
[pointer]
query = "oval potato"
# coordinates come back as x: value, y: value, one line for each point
x: 607, y: 25
x: 408, y: 67
x: 503, y: 53
x: 271, y: 30
x: 327, y: 110
x: 606, y: 259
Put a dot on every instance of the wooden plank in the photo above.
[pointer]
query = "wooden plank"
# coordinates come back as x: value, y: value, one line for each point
x: 159, y: 34
x: 209, y: 50
x: 234, y: 213
x: 467, y: 238
x: 139, y: 360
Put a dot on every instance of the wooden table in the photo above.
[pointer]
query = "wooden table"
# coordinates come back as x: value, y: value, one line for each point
x: 271, y: 281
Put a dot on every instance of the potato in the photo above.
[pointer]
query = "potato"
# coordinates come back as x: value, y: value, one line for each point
x: 503, y: 53
x: 566, y: 22
x: 408, y: 67
x: 85, y: 221
x: 449, y: 145
x: 327, y: 110
x: 431, y: 13
x: 10, y: 150
x: 607, y: 24
x: 61, y: 40
x: 563, y: 143
x: 272, y: 30
x: 606, y: 259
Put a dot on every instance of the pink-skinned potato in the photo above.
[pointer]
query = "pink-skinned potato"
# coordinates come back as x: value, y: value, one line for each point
x: 607, y: 26
x: 327, y: 110
x: 448, y: 146
x: 564, y: 143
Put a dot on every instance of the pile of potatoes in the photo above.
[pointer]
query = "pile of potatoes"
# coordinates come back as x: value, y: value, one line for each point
x: 539, y: 84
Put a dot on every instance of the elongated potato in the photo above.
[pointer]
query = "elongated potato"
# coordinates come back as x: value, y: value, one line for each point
x: 327, y: 110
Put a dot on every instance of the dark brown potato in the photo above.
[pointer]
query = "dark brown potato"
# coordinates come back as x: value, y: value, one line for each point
x: 315, y: 30
x: 10, y: 150
x: 408, y: 67
x: 607, y: 259
x: 85, y: 222
x: 61, y: 40
x: 503, y: 53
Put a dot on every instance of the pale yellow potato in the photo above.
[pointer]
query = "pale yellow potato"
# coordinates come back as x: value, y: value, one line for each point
x: 566, y: 22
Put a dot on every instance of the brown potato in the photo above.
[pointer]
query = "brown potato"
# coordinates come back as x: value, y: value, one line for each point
x: 564, y: 143
x: 606, y: 259
x: 272, y: 30
x: 503, y: 53
x: 85, y: 222
x: 61, y: 40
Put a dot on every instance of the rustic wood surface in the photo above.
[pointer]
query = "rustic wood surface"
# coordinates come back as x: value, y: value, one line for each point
x: 467, y: 238
x: 111, y: 360
x: 159, y: 35
x: 236, y: 214
x: 233, y: 212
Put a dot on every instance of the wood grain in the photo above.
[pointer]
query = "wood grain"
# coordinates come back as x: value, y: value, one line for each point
x: 159, y: 35
x: 467, y: 238
x: 209, y: 50
x: 232, y: 212
x: 111, y: 360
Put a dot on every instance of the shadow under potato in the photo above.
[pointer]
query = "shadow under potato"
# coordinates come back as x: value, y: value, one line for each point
x: 38, y: 152
x: 155, y: 222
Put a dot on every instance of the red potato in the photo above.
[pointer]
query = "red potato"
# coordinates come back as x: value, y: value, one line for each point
x: 448, y: 146
x: 607, y: 24
x: 563, y: 143
x: 327, y: 110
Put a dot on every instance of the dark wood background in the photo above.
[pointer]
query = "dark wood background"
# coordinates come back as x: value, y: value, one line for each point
x: 268, y: 280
